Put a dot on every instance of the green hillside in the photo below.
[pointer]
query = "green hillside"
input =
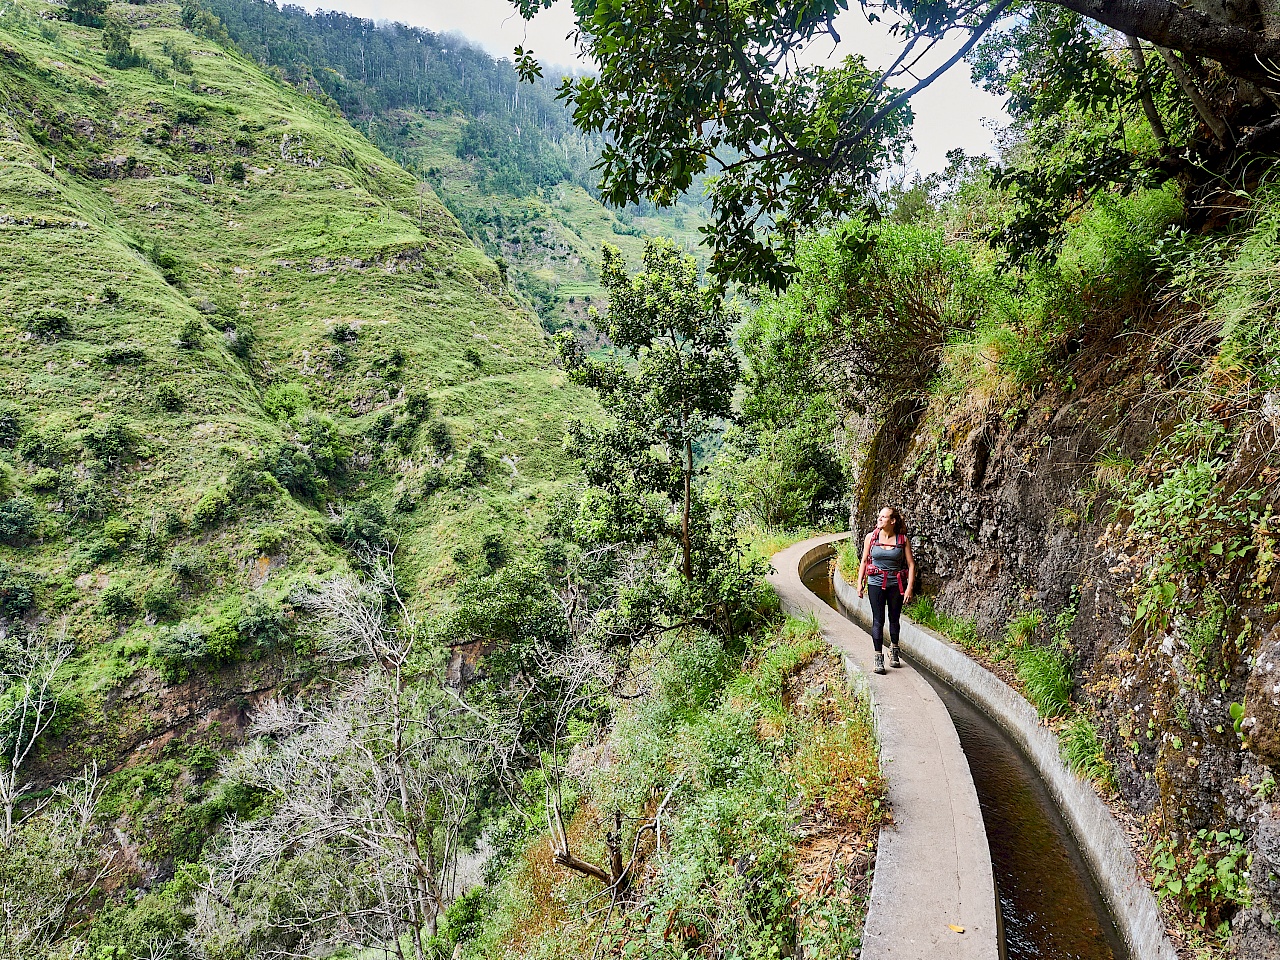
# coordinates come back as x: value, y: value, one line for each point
x: 238, y: 342
x: 502, y: 155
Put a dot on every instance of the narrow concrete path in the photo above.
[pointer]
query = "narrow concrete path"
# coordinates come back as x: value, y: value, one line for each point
x: 933, y: 866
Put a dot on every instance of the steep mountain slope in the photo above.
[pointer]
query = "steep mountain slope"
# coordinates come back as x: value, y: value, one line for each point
x: 502, y: 155
x: 239, y: 343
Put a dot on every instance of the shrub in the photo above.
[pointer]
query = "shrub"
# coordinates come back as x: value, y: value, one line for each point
x: 152, y: 543
x: 166, y: 262
x: 477, y: 464
x: 325, y: 442
x: 116, y: 601
x: 222, y: 643
x: 380, y: 426
x: 187, y: 563
x: 179, y: 649
x: 10, y: 425
x: 111, y: 440
x: 61, y: 594
x: 191, y: 335
x: 48, y: 323
x: 44, y: 448
x: 161, y: 601
x: 339, y: 356
x: 472, y: 356
x: 16, y: 596
x: 86, y: 13
x: 295, y: 469
x: 85, y: 498
x: 237, y: 171
x: 402, y: 434
x: 1046, y: 675
x: 180, y: 58
x: 873, y: 306
x: 263, y: 624
x: 284, y: 401
x: 494, y: 550
x: 241, y: 338
x: 44, y: 480
x: 211, y: 508
x: 17, y: 520
x: 417, y: 405
x: 343, y: 332
x: 169, y: 398
x: 406, y: 502
x: 116, y: 41
x: 118, y: 531
x: 432, y: 480
x: 362, y: 526
x: 270, y: 540
x: 440, y: 438
x: 695, y: 675
x: 123, y: 353
x: 1084, y: 753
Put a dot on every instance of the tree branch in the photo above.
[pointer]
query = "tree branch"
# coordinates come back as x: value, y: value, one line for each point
x: 1243, y: 53
x: 986, y: 23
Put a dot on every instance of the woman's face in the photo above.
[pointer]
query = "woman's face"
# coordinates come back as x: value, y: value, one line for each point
x: 885, y: 521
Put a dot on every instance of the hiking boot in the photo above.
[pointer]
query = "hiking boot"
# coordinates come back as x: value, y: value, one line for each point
x: 879, y: 663
x: 893, y: 656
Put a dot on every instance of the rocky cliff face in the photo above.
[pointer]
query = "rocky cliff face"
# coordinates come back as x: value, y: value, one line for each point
x: 1027, y: 503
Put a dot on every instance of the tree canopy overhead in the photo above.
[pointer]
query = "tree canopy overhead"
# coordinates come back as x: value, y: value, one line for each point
x: 725, y: 87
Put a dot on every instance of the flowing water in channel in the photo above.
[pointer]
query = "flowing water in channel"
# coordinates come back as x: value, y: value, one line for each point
x: 1049, y: 906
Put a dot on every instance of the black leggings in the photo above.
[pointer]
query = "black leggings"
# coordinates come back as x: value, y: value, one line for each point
x: 881, y: 598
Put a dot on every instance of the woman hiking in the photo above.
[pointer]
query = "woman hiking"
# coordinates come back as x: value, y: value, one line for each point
x: 889, y: 570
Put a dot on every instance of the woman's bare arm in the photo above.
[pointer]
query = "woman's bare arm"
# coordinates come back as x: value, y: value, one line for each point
x: 911, y: 572
x: 862, y: 566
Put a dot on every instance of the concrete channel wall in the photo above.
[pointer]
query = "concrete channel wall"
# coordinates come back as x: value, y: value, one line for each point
x: 1100, y: 839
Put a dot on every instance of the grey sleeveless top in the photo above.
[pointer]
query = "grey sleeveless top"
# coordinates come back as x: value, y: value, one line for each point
x: 890, y: 559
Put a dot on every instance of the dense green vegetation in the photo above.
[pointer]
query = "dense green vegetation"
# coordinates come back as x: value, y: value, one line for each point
x: 277, y: 428
x: 243, y: 352
x: 336, y: 619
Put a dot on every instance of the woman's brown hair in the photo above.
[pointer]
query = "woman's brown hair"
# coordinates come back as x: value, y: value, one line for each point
x: 899, y: 525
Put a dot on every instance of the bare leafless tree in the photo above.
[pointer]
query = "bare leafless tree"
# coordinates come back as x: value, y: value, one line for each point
x: 369, y: 794
x: 50, y: 866
x: 29, y: 664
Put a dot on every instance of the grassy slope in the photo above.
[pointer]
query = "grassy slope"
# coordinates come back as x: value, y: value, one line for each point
x: 551, y: 240
x: 324, y: 230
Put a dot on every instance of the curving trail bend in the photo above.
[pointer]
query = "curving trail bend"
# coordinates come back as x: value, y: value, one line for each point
x: 933, y: 866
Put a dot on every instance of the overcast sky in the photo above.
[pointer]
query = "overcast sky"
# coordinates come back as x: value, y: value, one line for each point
x: 950, y: 113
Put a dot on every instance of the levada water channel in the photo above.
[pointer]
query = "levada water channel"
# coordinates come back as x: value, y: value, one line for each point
x: 1049, y: 905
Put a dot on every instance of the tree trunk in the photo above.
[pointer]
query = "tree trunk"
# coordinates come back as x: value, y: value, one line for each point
x: 1196, y: 96
x: 1241, y: 51
x: 684, y: 526
x: 1270, y: 10
x: 1144, y: 92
